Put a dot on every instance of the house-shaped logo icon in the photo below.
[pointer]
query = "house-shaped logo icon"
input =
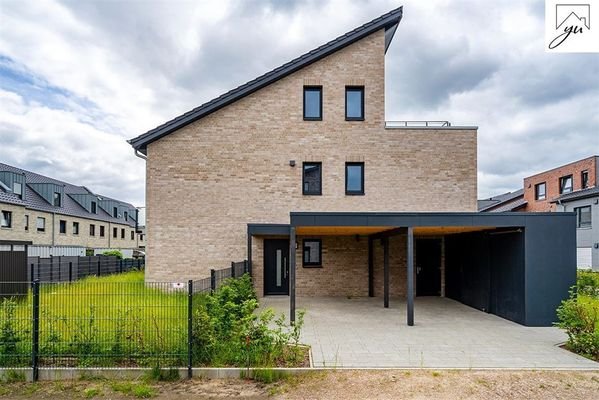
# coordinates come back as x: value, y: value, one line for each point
x: 572, y: 15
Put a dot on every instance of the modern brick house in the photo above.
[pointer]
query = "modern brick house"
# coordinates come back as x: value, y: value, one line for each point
x: 60, y: 218
x: 299, y: 172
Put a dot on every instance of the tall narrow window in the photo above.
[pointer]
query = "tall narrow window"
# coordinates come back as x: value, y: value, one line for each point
x: 122, y: 233
x: 115, y: 232
x: 565, y: 184
x: 41, y: 224
x: 62, y: 226
x: 94, y: 207
x: 17, y: 189
x: 313, y: 103
x: 92, y: 230
x: 101, y: 230
x: 132, y: 235
x: 6, y: 219
x: 354, y: 103
x: 354, y: 178
x: 583, y: 217
x: 75, y: 228
x: 57, y: 199
x: 584, y: 179
x: 126, y: 214
x: 541, y: 191
x: 312, y: 253
x: 26, y: 222
x: 312, y: 178
x: 115, y: 212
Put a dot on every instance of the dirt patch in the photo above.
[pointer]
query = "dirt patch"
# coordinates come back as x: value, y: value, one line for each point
x: 366, y: 384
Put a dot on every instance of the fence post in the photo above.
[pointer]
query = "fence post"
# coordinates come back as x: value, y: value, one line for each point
x: 232, y: 269
x: 35, y: 342
x: 99, y: 264
x: 121, y: 265
x: 189, y: 327
x: 70, y: 271
x: 31, y: 277
x: 59, y: 268
x: 51, y: 268
x: 212, y: 280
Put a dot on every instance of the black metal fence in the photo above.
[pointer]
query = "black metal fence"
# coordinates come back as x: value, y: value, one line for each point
x: 72, y: 268
x: 102, y: 324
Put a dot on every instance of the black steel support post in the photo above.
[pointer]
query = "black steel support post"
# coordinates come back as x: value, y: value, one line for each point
x: 99, y: 265
x: 232, y: 269
x: 386, y: 271
x: 189, y: 328
x: 292, y: 275
x: 70, y: 271
x: 370, y: 267
x: 212, y: 280
x: 35, y: 337
x: 249, y: 253
x: 245, y: 266
x: 410, y: 252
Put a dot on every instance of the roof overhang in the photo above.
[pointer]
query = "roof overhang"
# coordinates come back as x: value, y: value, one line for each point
x: 388, y: 21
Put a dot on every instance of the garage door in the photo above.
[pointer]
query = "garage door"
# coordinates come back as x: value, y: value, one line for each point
x: 583, y: 257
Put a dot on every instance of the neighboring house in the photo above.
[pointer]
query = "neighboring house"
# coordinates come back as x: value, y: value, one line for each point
x: 510, y: 201
x: 59, y: 218
x: 298, y: 172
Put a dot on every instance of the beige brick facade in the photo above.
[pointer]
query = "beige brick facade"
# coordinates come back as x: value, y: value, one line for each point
x: 52, y: 236
x: 209, y: 179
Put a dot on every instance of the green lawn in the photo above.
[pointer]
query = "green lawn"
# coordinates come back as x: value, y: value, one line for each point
x: 112, y: 320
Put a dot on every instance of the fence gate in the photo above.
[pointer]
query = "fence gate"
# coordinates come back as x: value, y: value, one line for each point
x: 13, y: 267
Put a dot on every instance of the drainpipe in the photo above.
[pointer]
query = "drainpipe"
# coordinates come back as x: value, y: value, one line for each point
x: 140, y: 155
x: 53, y: 228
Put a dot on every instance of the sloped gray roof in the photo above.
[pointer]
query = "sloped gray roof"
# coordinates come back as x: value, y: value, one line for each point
x: 577, y: 195
x: 69, y: 206
x: 388, y: 21
x: 495, y: 201
x: 512, y: 205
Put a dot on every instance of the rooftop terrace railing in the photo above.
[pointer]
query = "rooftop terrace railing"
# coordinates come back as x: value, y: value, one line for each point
x: 411, y: 124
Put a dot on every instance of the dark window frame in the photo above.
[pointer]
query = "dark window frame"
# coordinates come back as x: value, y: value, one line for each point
x: 584, y: 179
x: 355, y: 89
x: 92, y: 230
x: 579, y: 225
x: 115, y: 212
x: 62, y: 223
x: 361, y: 192
x: 102, y: 232
x: 309, y: 193
x: 57, y: 196
x: 26, y: 222
x: 75, y: 228
x: 43, y: 220
x: 122, y: 233
x: 132, y: 235
x: 312, y: 264
x: 563, y: 179
x: 94, y: 207
x: 312, y: 88
x: 537, y: 197
x: 8, y: 219
x: 115, y: 232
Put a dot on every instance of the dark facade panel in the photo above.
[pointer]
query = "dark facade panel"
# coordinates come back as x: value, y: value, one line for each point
x: 268, y: 229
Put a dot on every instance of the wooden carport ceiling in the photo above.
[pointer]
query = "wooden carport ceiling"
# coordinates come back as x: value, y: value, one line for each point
x: 369, y: 230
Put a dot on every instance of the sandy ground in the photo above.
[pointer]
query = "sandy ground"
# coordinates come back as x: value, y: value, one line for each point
x: 381, y: 384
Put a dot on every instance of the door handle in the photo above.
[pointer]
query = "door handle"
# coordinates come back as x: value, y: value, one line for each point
x: 285, y: 267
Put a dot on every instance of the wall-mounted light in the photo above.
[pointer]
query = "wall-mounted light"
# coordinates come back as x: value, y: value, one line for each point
x: 292, y: 163
x: 597, y: 245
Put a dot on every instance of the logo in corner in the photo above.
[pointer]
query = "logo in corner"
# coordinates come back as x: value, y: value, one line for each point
x: 568, y: 27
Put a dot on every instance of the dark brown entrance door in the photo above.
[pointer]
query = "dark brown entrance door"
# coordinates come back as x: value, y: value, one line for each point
x: 428, y: 267
x: 276, y: 266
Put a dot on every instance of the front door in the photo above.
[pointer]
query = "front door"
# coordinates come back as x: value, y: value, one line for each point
x: 276, y: 266
x: 428, y: 267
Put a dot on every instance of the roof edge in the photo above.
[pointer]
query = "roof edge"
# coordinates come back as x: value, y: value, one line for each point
x: 388, y: 21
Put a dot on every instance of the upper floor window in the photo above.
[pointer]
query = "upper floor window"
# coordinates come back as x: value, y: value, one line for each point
x: 126, y: 215
x: 312, y: 252
x: 354, y: 178
x: 141, y: 237
x: 26, y: 222
x: 313, y: 103
x: 115, y: 232
x: 584, y: 179
x: 583, y: 217
x: 57, y: 199
x: 312, y: 178
x: 122, y: 233
x: 75, y: 228
x: 132, y: 235
x: 17, y: 189
x: 41, y: 224
x: 101, y: 230
x: 565, y: 184
x: 115, y: 212
x: 6, y: 219
x: 354, y: 103
x: 92, y: 230
x: 62, y: 226
x: 541, y: 191
x: 94, y: 207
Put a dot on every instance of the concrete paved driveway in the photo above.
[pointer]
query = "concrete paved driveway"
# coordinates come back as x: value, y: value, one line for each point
x: 447, y: 334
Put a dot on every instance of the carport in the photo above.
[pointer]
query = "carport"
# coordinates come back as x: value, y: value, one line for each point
x: 518, y: 266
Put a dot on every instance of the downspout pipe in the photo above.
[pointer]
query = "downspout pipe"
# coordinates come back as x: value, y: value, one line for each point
x: 139, y: 154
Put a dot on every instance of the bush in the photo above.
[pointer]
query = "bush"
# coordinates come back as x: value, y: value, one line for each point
x: 579, y: 316
x: 228, y: 332
x: 115, y: 253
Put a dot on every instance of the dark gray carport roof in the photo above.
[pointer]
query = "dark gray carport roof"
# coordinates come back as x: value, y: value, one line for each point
x: 388, y: 21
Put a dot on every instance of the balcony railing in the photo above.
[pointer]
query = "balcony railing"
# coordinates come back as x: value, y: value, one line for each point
x: 417, y: 124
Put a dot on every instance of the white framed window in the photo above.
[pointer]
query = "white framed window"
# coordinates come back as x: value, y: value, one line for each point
x: 41, y: 224
x: 6, y: 219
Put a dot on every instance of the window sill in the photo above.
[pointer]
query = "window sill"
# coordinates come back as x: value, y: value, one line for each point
x: 311, y: 194
x: 6, y: 228
x: 312, y: 266
x: 355, y: 193
x: 584, y: 227
x: 354, y: 119
x: 312, y: 119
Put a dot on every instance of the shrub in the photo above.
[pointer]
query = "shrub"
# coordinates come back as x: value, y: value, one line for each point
x: 587, y: 283
x: 228, y: 332
x: 115, y: 253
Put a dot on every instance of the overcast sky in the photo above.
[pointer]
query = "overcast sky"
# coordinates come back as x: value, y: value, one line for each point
x: 78, y: 78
